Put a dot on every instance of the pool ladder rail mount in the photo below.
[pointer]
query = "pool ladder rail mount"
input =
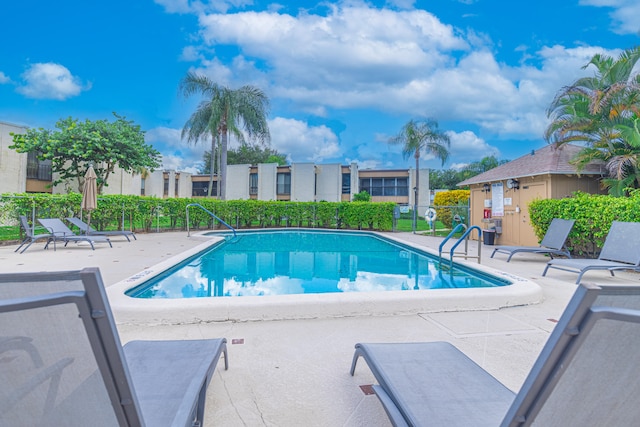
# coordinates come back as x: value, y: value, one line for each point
x: 465, y: 238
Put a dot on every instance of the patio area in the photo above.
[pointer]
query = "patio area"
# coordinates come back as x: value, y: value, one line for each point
x: 296, y: 372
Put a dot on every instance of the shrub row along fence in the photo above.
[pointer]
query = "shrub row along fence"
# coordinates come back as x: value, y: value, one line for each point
x: 140, y: 213
x: 593, y: 215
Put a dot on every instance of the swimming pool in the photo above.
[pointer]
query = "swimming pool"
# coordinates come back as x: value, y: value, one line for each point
x: 284, y: 262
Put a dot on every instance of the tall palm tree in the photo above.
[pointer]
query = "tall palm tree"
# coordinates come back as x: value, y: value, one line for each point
x: 222, y: 113
x: 421, y: 136
x: 602, y: 112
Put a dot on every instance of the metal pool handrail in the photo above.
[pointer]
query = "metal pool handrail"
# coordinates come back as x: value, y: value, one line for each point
x: 210, y: 213
x: 465, y: 237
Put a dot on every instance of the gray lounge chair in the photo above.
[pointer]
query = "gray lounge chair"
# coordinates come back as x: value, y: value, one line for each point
x: 553, y: 242
x: 88, y: 230
x: 31, y: 236
x: 61, y: 232
x: 82, y: 376
x: 586, y: 374
x: 621, y: 251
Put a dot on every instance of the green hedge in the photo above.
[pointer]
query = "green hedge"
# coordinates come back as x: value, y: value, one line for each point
x: 593, y: 214
x: 142, y: 213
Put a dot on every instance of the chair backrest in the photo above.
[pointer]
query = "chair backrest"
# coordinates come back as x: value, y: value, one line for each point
x: 62, y: 360
x: 557, y: 233
x: 25, y: 224
x: 83, y: 226
x: 622, y: 243
x: 587, y: 373
x: 56, y: 226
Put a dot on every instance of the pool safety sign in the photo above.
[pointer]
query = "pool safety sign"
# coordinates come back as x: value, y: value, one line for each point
x: 497, y: 199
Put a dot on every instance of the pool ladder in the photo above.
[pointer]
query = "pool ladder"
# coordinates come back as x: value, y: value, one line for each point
x: 465, y: 238
x: 210, y: 213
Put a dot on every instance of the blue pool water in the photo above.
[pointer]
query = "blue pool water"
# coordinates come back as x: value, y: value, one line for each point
x: 299, y: 262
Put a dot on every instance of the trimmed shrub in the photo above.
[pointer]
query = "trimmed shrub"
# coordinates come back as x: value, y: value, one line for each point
x: 450, y: 203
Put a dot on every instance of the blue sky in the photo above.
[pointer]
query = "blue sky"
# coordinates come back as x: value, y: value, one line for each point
x: 342, y: 76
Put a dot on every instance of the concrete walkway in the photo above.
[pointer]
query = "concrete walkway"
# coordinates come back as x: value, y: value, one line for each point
x: 296, y: 372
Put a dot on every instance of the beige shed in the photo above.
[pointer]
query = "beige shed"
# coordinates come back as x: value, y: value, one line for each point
x: 500, y: 197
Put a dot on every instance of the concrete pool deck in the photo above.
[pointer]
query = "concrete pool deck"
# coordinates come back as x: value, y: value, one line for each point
x: 296, y: 372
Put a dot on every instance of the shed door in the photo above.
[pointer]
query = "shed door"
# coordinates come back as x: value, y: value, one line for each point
x: 528, y: 193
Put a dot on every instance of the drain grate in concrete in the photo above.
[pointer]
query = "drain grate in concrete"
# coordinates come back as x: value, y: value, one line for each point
x: 367, y: 389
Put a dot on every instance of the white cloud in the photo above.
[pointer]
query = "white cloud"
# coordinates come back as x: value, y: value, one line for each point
x: 401, y: 62
x: 176, y: 153
x: 301, y: 142
x: 624, y: 14
x: 396, y: 61
x: 50, y: 81
x: 467, y: 146
x: 4, y: 78
x: 352, y: 49
x: 365, y: 164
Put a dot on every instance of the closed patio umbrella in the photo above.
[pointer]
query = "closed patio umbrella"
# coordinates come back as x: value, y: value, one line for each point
x: 89, y: 194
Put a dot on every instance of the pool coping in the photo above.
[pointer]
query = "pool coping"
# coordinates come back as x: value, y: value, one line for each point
x: 129, y: 310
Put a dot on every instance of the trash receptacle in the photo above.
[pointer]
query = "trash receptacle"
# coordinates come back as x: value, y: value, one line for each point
x: 489, y: 237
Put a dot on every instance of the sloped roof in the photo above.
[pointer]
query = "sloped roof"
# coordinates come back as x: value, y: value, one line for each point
x: 547, y: 160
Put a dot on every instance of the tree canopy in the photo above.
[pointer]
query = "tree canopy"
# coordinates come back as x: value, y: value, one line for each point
x: 222, y: 113
x: 246, y: 154
x: 603, y: 112
x: 449, y: 178
x: 75, y: 145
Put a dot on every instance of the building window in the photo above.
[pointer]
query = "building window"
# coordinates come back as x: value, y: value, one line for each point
x: 283, y: 183
x: 253, y: 183
x: 346, y: 183
x: 177, y: 186
x: 166, y: 187
x: 142, y: 185
x: 38, y: 169
x: 385, y: 186
x: 199, y: 188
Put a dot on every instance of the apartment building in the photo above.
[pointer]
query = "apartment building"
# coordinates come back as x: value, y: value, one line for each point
x: 301, y: 182
x: 306, y: 182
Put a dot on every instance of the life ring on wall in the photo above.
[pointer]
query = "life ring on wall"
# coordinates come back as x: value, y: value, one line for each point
x: 430, y: 215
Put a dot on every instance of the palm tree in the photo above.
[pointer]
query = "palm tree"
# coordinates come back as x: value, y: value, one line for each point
x: 602, y: 112
x: 224, y: 112
x: 421, y: 136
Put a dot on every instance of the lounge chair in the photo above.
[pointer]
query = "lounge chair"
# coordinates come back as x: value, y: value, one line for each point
x: 31, y: 236
x: 621, y: 251
x: 61, y: 232
x: 88, y: 230
x: 586, y: 374
x: 553, y: 242
x: 82, y: 376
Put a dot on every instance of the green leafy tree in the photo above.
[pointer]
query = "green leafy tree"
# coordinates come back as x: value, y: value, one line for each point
x: 440, y: 179
x: 602, y: 112
x: 422, y: 136
x: 222, y: 113
x: 75, y: 145
x: 246, y: 154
